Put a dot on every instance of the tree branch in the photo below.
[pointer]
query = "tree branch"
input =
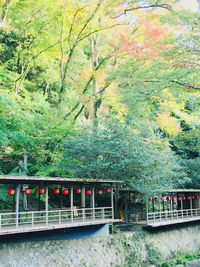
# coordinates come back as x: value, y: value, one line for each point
x: 165, y: 6
x: 187, y: 85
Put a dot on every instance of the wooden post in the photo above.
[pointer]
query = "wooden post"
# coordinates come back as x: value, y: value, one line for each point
x: 17, y: 204
x: 71, y: 202
x: 83, y: 197
x: 61, y: 197
x: 182, y: 207
x: 191, y: 206
x: 38, y: 199
x: 47, y: 203
x: 112, y: 202
x: 159, y: 210
x: 93, y: 202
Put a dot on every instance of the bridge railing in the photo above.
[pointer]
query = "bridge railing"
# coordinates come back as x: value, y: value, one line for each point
x: 32, y: 219
x: 164, y: 216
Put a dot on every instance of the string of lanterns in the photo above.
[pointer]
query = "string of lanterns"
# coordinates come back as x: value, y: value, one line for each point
x: 172, y: 198
x: 56, y: 191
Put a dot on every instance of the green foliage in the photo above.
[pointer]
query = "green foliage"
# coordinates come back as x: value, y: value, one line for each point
x: 118, y: 153
x: 154, y: 255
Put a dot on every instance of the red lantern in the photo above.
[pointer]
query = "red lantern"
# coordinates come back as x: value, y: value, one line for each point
x: 183, y: 198
x: 173, y: 198
x: 167, y: 198
x: 188, y: 198
x: 155, y: 199
x: 41, y: 191
x: 149, y: 199
x: 192, y: 197
x: 11, y: 192
x: 133, y: 197
x: 78, y: 191
x: 99, y: 192
x: 107, y: 190
x: 179, y: 198
x: 65, y: 192
x: 56, y: 191
x: 88, y: 192
x: 27, y: 191
x: 196, y: 197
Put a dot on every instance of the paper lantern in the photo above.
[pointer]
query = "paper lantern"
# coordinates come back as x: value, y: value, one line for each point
x: 183, y: 198
x: 179, y: 198
x: 65, y: 192
x: 56, y: 191
x: 107, y: 190
x: 11, y: 192
x: 188, y: 198
x: 173, y: 198
x: 167, y: 198
x: 192, y: 197
x: 27, y: 191
x: 99, y: 192
x: 133, y: 197
x: 41, y: 191
x: 88, y: 192
x: 196, y: 197
x: 78, y: 191
x: 155, y: 199
x: 149, y: 199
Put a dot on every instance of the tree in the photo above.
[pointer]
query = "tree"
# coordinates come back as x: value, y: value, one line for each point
x: 118, y: 153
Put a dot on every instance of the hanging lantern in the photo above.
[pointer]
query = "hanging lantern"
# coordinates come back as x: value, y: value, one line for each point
x: 183, y: 198
x: 99, y: 192
x: 155, y: 199
x: 192, y: 197
x: 88, y: 192
x: 78, y: 191
x: 196, y: 197
x: 41, y: 191
x: 149, y: 198
x: 173, y: 198
x: 188, y: 198
x: 107, y: 190
x: 133, y: 197
x: 56, y: 191
x: 11, y: 192
x: 27, y: 191
x: 179, y: 198
x: 65, y: 192
x: 167, y: 198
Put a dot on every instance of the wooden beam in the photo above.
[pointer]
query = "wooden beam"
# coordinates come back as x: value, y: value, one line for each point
x: 47, y: 203
x: 83, y: 197
x: 112, y: 202
x: 17, y: 204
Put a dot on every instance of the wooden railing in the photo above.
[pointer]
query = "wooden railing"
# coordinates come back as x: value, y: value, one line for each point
x: 171, y: 215
x: 34, y: 219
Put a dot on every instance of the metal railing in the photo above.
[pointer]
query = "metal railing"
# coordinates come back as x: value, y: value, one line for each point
x: 164, y: 216
x: 36, y: 219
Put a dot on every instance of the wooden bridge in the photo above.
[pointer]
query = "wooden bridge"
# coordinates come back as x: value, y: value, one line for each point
x: 25, y: 221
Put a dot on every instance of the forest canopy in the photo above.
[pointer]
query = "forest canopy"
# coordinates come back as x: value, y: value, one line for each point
x: 101, y: 89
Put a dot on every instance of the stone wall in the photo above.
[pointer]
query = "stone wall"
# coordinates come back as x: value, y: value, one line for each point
x: 139, y: 248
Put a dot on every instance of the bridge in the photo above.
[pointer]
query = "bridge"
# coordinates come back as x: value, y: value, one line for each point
x: 86, y: 192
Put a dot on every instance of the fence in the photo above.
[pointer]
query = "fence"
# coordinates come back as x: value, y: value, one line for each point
x: 34, y: 219
x: 164, y: 216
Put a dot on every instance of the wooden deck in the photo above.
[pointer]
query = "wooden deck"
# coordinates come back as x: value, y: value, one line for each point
x: 164, y: 218
x: 42, y: 227
x: 24, y: 222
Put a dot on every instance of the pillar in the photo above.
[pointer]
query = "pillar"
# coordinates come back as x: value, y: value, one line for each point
x: 83, y: 197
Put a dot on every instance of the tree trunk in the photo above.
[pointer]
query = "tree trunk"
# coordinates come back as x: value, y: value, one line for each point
x: 4, y: 12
